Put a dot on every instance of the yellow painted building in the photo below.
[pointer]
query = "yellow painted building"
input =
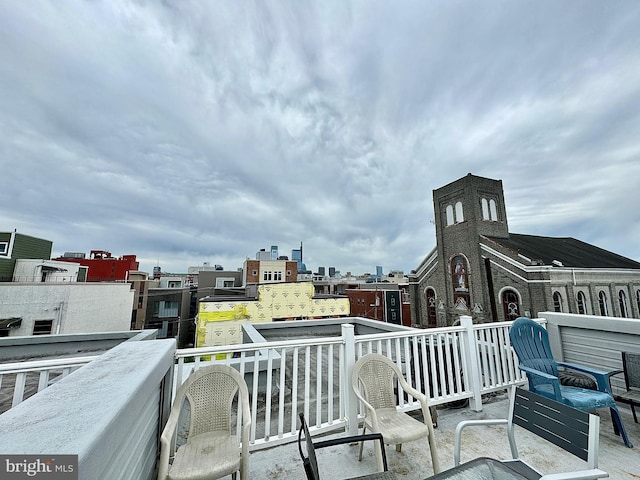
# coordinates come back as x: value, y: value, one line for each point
x: 219, y: 322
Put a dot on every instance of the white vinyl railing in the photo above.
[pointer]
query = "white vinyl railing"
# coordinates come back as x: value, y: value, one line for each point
x: 22, y: 379
x: 313, y: 375
x: 294, y: 376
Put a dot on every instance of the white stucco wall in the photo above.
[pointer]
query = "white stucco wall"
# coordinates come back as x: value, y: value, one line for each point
x: 73, y: 307
x: 29, y: 270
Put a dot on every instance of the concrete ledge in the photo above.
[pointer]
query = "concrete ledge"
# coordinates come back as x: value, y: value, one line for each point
x: 39, y: 346
x: 107, y: 412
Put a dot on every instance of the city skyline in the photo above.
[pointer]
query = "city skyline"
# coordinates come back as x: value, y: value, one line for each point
x: 191, y: 132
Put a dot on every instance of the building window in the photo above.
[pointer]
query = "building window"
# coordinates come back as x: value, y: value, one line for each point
x: 638, y: 299
x: 622, y: 298
x: 602, y: 301
x: 42, y: 327
x: 431, y: 307
x: 459, y: 213
x: 167, y: 309
x: 510, y: 305
x: 557, y: 302
x: 454, y: 214
x: 493, y: 210
x: 267, y: 276
x: 489, y: 210
x: 254, y: 273
x: 582, y: 304
x: 4, y: 248
x: 450, y: 220
x: 460, y: 280
x: 277, y: 276
x: 288, y: 273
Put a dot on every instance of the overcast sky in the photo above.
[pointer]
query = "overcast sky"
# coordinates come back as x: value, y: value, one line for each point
x: 201, y: 131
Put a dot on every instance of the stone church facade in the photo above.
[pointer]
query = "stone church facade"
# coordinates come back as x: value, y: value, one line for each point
x: 479, y: 268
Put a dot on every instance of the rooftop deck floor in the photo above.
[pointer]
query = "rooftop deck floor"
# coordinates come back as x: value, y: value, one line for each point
x: 413, y: 463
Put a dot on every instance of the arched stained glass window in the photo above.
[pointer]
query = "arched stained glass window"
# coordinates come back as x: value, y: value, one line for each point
x: 557, y: 302
x: 460, y: 280
x: 582, y: 304
x: 431, y: 307
x: 622, y: 298
x: 602, y: 302
x: 510, y: 305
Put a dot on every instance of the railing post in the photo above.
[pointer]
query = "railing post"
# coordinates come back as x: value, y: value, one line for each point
x: 350, y: 399
x: 473, y: 370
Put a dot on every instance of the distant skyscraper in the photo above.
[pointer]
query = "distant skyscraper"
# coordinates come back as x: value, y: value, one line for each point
x: 296, y: 256
x: 332, y: 271
x: 274, y: 252
x: 321, y: 271
x: 379, y: 272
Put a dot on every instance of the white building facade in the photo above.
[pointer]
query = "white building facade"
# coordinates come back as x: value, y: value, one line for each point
x: 61, y: 308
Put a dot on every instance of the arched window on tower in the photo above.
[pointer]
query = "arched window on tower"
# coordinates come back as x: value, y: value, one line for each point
x: 489, y: 209
x: 582, y: 304
x: 450, y: 219
x: 602, y: 302
x: 493, y: 210
x: 557, y: 302
x: 622, y: 298
x: 510, y: 305
x: 485, y: 209
x: 459, y: 213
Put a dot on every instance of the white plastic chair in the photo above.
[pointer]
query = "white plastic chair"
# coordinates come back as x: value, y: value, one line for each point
x: 373, y: 379
x: 212, y: 450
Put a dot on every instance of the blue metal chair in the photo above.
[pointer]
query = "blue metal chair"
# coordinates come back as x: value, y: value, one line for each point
x: 531, y: 343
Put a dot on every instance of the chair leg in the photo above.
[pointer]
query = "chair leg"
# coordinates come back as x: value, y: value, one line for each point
x: 619, y: 426
x: 633, y: 410
x: 364, y: 428
x: 233, y: 476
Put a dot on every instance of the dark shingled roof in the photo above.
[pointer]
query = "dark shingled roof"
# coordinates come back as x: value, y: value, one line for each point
x: 569, y: 251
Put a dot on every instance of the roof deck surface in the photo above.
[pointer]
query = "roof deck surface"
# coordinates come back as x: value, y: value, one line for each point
x: 414, y: 463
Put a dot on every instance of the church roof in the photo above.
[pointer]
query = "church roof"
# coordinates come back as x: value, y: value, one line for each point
x: 569, y: 251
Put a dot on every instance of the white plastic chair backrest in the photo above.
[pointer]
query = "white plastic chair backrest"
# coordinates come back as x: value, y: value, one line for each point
x: 374, y: 377
x: 211, y: 391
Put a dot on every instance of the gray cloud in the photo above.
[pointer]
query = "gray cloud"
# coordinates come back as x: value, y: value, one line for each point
x: 187, y: 132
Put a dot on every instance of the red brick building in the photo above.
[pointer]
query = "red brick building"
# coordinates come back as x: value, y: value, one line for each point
x: 102, y: 266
